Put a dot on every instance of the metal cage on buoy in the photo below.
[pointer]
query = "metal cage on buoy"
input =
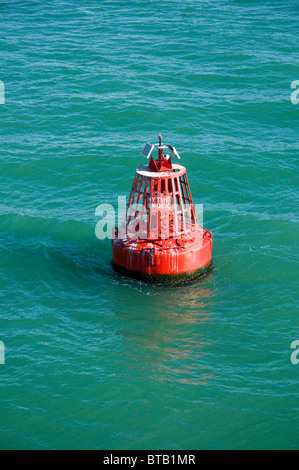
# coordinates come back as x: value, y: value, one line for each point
x: 161, y: 239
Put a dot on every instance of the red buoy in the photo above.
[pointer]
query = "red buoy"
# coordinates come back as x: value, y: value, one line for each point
x: 160, y: 239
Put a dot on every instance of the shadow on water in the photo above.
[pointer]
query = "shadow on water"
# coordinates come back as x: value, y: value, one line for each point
x: 165, y: 329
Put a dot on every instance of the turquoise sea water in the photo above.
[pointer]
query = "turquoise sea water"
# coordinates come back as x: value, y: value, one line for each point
x: 97, y: 361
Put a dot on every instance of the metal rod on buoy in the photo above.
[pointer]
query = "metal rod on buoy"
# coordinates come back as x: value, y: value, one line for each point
x: 160, y: 149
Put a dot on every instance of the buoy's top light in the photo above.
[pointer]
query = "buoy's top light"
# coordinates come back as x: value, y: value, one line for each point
x: 148, y: 148
x: 163, y: 163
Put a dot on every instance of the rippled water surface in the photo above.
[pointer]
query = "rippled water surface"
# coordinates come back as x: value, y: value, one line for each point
x: 94, y: 360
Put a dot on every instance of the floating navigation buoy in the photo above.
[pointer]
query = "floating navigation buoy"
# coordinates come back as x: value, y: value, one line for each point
x: 161, y: 239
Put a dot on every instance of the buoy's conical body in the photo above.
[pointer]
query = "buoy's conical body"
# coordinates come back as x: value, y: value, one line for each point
x: 161, y: 239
